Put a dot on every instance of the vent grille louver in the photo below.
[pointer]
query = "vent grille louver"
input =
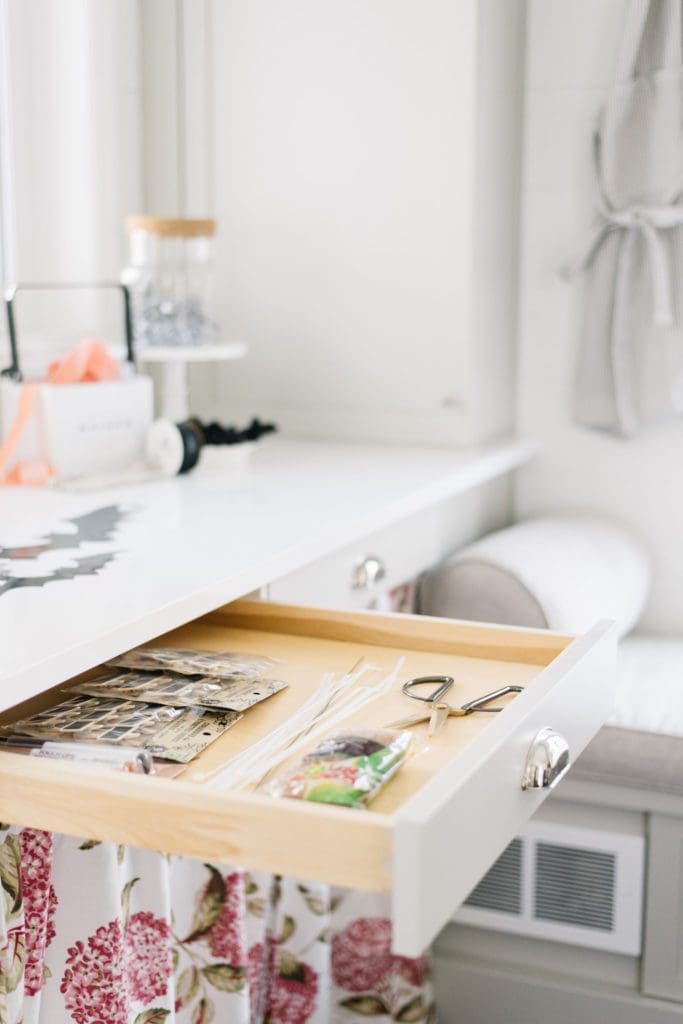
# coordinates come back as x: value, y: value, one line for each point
x: 501, y: 888
x: 575, y: 886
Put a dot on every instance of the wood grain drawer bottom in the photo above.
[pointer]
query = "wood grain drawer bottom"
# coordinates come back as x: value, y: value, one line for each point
x: 433, y: 832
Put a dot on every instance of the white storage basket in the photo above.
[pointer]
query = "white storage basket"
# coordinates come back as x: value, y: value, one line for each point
x: 80, y: 429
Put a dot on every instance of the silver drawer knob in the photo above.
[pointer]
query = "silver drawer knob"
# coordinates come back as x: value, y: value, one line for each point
x: 367, y: 572
x: 547, y: 762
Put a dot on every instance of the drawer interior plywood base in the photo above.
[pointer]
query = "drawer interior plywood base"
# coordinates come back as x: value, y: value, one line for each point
x: 429, y: 801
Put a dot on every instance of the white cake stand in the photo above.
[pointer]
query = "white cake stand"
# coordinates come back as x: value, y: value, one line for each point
x: 174, y: 360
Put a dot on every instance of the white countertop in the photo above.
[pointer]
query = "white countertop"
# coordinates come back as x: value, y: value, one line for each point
x: 185, y: 546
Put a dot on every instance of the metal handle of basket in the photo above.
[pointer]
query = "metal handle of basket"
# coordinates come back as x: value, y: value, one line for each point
x: 13, y: 370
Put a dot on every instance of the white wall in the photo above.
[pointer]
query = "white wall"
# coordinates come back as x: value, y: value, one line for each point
x: 72, y: 153
x: 571, y: 48
x: 177, y: 46
x: 365, y: 181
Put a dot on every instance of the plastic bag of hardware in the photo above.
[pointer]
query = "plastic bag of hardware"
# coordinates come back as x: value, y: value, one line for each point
x: 175, y: 734
x: 348, y: 768
x: 217, y: 664
x: 183, y: 691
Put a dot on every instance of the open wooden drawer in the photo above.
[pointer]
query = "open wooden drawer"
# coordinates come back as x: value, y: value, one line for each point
x: 439, y: 824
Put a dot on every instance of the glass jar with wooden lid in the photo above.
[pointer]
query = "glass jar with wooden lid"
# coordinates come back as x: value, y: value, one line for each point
x: 169, y: 275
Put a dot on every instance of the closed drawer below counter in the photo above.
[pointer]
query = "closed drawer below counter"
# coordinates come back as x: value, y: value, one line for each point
x: 439, y: 824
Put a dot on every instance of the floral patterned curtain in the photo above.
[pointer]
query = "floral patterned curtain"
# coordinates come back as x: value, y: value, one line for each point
x: 92, y: 933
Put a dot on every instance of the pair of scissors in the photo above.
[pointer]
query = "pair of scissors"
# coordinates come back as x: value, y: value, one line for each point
x: 437, y: 711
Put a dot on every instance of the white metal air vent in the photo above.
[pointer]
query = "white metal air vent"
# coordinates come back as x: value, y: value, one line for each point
x: 501, y: 889
x: 568, y: 884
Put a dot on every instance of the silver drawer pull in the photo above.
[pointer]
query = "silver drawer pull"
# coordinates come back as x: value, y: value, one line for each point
x: 367, y: 572
x: 547, y: 762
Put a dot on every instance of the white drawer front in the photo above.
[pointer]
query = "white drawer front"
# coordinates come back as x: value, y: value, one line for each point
x: 405, y: 549
x: 451, y: 832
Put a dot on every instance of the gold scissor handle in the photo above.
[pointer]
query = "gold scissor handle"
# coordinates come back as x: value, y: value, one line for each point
x: 437, y: 712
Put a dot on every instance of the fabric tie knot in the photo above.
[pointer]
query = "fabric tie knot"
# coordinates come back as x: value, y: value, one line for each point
x: 649, y: 221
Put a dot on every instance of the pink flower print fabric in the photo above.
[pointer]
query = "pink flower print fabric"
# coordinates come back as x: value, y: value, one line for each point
x: 227, y: 937
x: 93, y: 983
x: 39, y: 904
x: 293, y: 992
x: 148, y: 960
x: 367, y: 979
x: 361, y: 954
x: 210, y: 946
x: 114, y: 969
x: 284, y: 990
x: 91, y: 933
x: 362, y: 957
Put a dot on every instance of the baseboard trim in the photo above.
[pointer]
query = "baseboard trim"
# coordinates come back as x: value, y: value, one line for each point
x: 470, y: 991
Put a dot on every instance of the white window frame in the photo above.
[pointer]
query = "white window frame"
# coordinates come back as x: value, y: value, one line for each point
x: 7, y: 223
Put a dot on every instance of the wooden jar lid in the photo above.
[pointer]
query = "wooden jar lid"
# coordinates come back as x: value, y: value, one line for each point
x: 171, y: 227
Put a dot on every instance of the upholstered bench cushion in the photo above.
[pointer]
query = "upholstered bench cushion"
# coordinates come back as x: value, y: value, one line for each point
x: 642, y: 743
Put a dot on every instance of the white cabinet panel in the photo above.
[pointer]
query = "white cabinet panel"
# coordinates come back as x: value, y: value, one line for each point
x: 362, y: 162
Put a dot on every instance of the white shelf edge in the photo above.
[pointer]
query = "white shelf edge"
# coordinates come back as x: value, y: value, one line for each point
x: 192, y: 354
